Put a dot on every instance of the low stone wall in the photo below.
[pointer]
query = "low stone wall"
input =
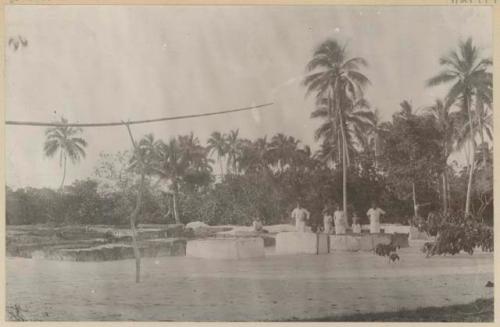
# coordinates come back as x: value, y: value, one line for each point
x: 226, y: 248
x: 357, y: 242
x: 415, y: 234
x: 301, y: 243
x: 401, y: 240
x: 269, y: 239
x: 114, y: 251
x: 394, y: 228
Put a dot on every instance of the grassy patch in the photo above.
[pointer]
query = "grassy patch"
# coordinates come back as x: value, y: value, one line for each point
x: 478, y: 311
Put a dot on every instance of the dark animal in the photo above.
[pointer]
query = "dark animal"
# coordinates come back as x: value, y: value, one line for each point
x: 384, y: 250
x: 393, y: 257
x: 387, y: 250
x: 428, y: 248
x: 489, y: 284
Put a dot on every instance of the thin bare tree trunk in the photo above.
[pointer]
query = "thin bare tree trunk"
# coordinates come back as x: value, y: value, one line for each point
x: 445, y: 192
x: 64, y: 172
x: 221, y: 169
x: 135, y: 213
x: 415, y: 205
x: 344, y: 178
x: 472, y: 159
x: 344, y: 163
x: 483, y: 145
x: 174, y: 198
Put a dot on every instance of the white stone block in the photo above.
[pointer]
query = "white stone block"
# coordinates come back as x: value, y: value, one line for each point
x: 323, y: 243
x: 395, y: 228
x: 226, y: 248
x: 415, y: 234
x: 366, y: 242
x: 344, y: 243
x: 301, y: 242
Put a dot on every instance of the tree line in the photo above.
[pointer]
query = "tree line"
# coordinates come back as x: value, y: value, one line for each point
x: 402, y: 163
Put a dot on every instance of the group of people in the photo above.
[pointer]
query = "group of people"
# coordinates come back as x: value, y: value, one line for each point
x: 337, y: 220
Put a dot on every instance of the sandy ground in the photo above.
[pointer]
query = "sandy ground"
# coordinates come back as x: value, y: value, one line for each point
x: 273, y: 288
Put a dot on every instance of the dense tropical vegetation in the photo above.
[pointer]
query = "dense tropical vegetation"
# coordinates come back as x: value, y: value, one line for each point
x: 403, y: 163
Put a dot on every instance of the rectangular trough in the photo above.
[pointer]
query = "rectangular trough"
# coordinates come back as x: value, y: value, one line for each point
x: 358, y: 242
x: 226, y: 248
x: 301, y: 243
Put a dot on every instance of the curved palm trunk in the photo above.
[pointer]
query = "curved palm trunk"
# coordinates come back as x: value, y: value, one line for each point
x: 174, y: 200
x: 220, y: 165
x: 415, y: 205
x: 445, y: 192
x: 445, y: 177
x: 135, y: 213
x: 472, y: 157
x: 64, y: 173
x: 344, y: 179
x: 483, y: 144
x: 133, y: 222
x: 344, y: 158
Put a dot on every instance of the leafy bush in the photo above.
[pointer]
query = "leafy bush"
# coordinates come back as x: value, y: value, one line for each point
x: 455, y: 233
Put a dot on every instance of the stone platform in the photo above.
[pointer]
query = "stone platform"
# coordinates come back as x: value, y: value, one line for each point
x: 358, y: 242
x: 301, y: 243
x: 226, y: 248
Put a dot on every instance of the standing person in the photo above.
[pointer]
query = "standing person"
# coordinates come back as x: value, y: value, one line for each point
x: 374, y: 215
x: 340, y: 221
x: 257, y: 225
x: 356, y: 227
x: 300, y: 215
x: 327, y: 220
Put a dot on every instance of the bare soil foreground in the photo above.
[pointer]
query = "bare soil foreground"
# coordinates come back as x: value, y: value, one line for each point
x: 303, y: 287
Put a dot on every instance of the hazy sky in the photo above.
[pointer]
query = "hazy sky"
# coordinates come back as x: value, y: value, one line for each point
x: 112, y: 63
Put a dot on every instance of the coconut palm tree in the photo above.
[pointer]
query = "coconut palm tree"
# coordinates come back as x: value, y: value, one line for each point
x: 181, y: 160
x: 471, y: 84
x: 375, y: 136
x: 170, y: 164
x: 359, y: 121
x: 217, y: 144
x: 337, y: 79
x: 482, y: 123
x: 327, y: 153
x: 446, y: 124
x: 233, y: 150
x: 282, y: 149
x: 254, y: 155
x: 64, y: 139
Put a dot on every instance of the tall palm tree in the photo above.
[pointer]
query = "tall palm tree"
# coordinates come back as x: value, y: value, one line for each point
x: 217, y: 144
x: 375, y: 136
x: 254, y: 155
x: 65, y: 140
x: 359, y: 121
x: 440, y: 111
x: 327, y: 153
x: 338, y: 79
x: 170, y: 165
x: 233, y: 150
x: 472, y: 83
x: 282, y: 150
x: 407, y: 115
x: 482, y: 123
x: 180, y: 160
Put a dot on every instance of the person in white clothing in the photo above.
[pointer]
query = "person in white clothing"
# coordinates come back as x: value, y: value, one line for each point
x: 374, y: 215
x: 327, y: 221
x: 257, y: 225
x: 340, y: 221
x: 300, y: 215
x: 356, y: 227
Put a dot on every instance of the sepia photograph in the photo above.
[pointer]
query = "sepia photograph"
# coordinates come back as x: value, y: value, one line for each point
x: 257, y: 163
